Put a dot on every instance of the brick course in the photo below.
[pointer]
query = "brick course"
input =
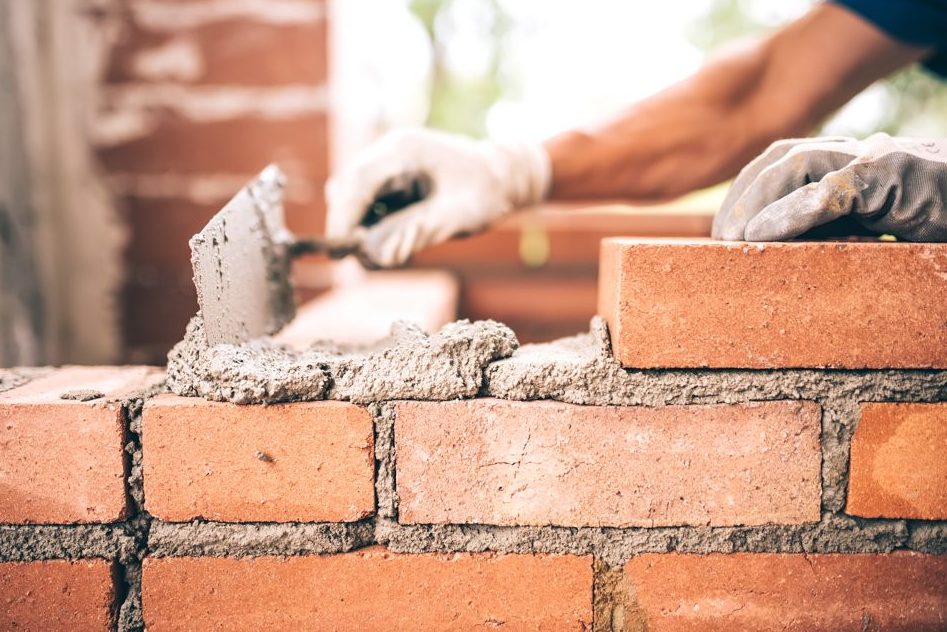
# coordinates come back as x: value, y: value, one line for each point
x: 534, y: 463
x: 676, y: 303
x: 746, y: 591
x: 369, y: 590
x: 898, y: 465
x: 308, y: 462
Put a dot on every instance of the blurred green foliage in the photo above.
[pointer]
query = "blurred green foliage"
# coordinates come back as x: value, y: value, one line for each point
x: 910, y: 102
x: 913, y: 101
x: 460, y: 101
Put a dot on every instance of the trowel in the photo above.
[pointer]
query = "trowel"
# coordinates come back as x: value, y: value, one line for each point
x: 242, y: 257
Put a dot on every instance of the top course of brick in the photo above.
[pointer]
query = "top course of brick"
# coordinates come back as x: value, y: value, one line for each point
x: 853, y: 305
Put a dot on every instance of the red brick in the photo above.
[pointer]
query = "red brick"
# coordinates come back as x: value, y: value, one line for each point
x: 794, y: 592
x: 369, y: 590
x: 230, y: 52
x: 362, y: 312
x: 237, y: 145
x: 799, y: 304
x: 62, y: 461
x: 57, y: 595
x: 309, y: 461
x: 898, y: 469
x: 535, y: 463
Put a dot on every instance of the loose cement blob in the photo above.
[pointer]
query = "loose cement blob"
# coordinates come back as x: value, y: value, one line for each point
x: 409, y: 364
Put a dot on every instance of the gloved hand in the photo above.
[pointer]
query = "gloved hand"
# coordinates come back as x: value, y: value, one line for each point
x: 468, y: 184
x: 896, y: 186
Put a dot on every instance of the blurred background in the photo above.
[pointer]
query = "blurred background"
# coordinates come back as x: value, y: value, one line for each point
x: 126, y: 124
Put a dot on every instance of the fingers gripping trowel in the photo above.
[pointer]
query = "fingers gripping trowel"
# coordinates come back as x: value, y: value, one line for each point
x: 242, y: 259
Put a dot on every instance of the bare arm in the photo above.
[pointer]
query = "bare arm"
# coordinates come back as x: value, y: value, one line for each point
x: 704, y: 129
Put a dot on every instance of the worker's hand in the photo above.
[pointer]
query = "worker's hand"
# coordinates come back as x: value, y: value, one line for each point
x: 895, y: 186
x: 466, y: 185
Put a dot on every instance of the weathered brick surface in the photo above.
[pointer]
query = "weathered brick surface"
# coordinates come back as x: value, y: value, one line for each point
x: 230, y: 51
x: 675, y: 303
x: 491, y: 461
x: 309, y: 462
x: 369, y: 590
x: 746, y: 591
x: 57, y: 595
x: 240, y: 145
x: 898, y: 464
x: 62, y: 460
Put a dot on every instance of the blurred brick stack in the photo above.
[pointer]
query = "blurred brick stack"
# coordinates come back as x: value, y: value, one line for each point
x: 199, y: 95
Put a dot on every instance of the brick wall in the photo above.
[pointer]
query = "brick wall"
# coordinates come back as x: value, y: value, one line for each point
x: 679, y: 498
x: 200, y: 95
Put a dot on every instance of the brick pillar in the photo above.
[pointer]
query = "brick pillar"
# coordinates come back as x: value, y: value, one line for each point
x: 199, y: 96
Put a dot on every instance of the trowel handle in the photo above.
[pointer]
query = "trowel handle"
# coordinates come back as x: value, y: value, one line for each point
x: 391, y: 199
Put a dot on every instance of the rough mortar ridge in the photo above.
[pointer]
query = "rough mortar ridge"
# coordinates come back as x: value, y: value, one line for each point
x: 833, y: 534
x: 219, y: 539
x: 20, y: 543
x: 409, y: 364
x: 581, y: 370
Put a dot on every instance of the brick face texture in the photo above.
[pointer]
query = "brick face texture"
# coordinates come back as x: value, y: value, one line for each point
x: 712, y: 304
x: 534, y: 463
x: 369, y: 590
x: 61, y: 460
x: 307, y: 462
x: 794, y: 592
x: 57, y: 595
x: 898, y: 465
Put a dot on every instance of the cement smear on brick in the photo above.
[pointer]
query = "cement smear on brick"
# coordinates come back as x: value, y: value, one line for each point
x: 16, y: 377
x: 409, y: 364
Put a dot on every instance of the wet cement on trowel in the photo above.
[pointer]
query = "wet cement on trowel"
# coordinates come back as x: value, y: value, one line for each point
x: 409, y: 364
x: 241, y: 261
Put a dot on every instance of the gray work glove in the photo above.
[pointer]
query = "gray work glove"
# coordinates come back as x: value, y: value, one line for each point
x: 895, y: 186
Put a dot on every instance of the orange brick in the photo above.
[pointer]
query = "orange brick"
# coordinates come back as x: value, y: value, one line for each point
x: 57, y: 595
x: 535, y: 463
x: 62, y: 460
x: 898, y: 469
x: 794, y: 592
x: 308, y: 461
x: 241, y: 145
x: 363, y: 311
x: 675, y: 303
x: 369, y: 590
x: 226, y: 52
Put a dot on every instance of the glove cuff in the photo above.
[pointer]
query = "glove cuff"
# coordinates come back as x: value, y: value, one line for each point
x: 527, y: 171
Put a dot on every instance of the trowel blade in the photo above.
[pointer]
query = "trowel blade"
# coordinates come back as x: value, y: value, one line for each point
x: 241, y: 262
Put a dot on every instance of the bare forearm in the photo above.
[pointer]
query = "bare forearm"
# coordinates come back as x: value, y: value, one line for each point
x: 704, y: 129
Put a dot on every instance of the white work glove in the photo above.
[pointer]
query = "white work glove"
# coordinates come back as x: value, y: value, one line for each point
x: 895, y: 186
x: 467, y: 185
